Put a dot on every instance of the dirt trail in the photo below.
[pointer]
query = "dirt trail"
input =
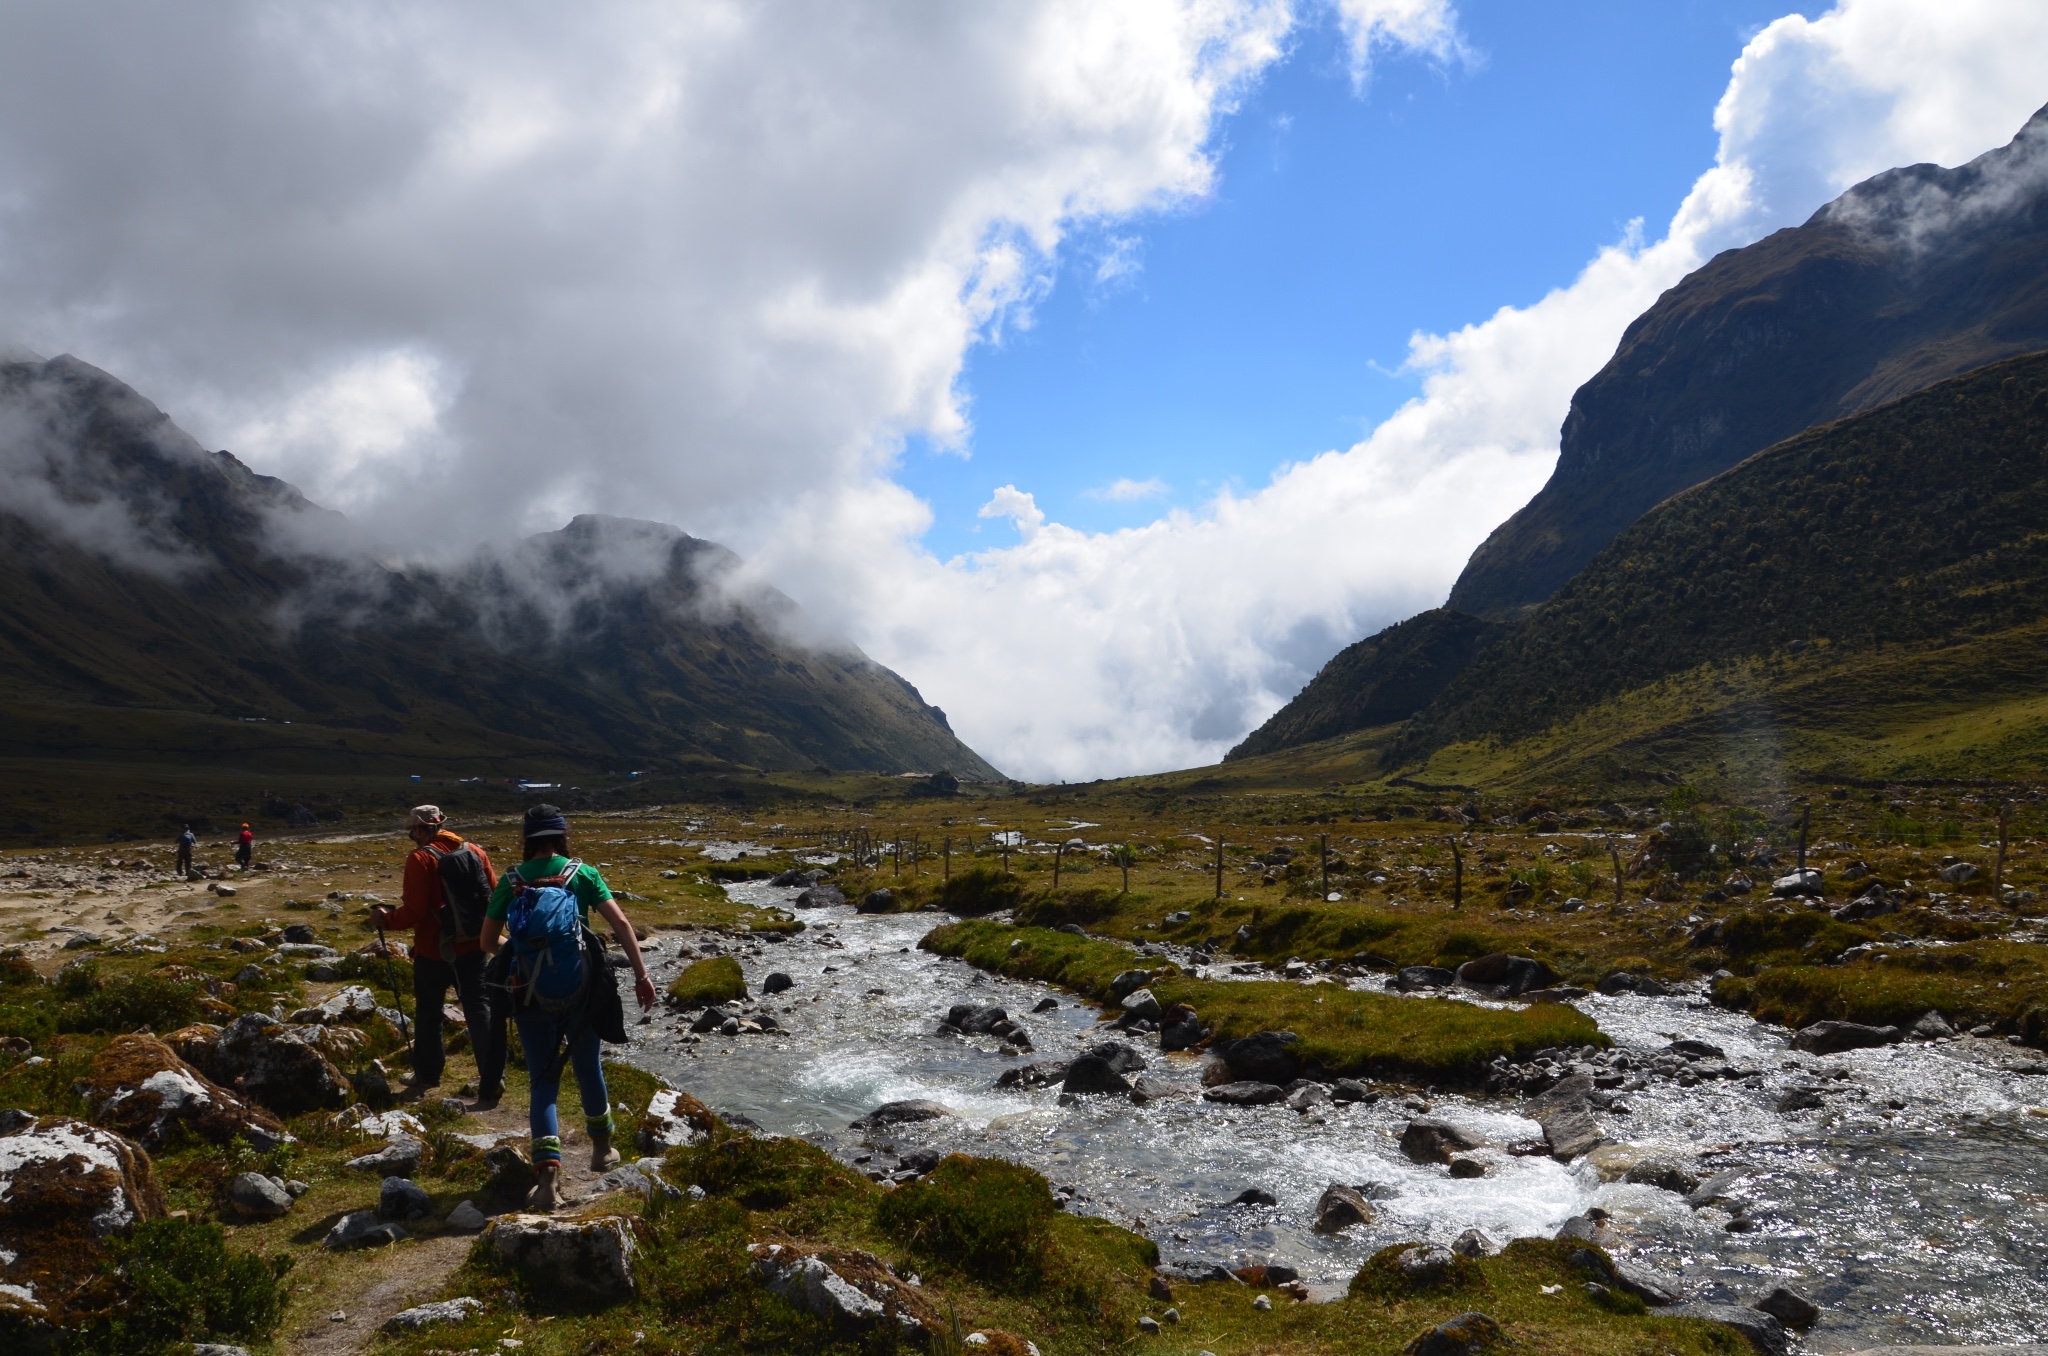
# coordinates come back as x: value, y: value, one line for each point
x: 397, y: 1278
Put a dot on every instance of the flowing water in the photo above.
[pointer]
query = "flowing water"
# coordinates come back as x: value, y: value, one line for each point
x: 1913, y: 1206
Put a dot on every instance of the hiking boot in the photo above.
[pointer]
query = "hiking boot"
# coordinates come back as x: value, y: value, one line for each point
x: 488, y: 1099
x: 602, y: 1155
x: 545, y: 1198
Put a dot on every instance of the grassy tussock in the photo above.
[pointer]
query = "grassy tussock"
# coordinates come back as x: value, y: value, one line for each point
x: 714, y: 979
x: 1347, y: 1032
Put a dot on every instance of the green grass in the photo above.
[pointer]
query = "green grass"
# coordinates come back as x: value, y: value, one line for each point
x: 1347, y: 1032
x: 714, y: 979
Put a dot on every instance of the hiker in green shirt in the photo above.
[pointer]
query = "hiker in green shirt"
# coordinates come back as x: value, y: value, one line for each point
x: 542, y: 1031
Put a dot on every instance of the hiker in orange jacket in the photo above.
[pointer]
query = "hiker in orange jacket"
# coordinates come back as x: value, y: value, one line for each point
x: 441, y: 870
x: 245, y: 847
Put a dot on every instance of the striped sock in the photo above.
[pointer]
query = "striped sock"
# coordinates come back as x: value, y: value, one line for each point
x: 599, y: 1125
x: 547, y: 1149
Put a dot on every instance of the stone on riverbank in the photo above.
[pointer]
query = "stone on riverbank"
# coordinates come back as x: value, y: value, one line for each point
x: 1505, y: 974
x: 1763, y: 1332
x: 1244, y: 1093
x: 1832, y: 1038
x: 1789, y: 1307
x: 1429, y: 1140
x: 1091, y: 1075
x: 672, y: 1120
x: 850, y: 1292
x: 1339, y: 1208
x: 1411, y: 978
x: 586, y: 1258
x: 1263, y: 1057
x: 902, y: 1113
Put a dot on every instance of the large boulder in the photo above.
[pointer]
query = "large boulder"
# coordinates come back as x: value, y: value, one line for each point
x: 1244, y: 1093
x: 1429, y: 1140
x: 255, y: 1196
x: 902, y: 1113
x: 821, y: 897
x: 273, y: 1064
x: 580, y: 1259
x: 974, y: 1018
x: 1570, y: 1133
x: 1121, y: 1057
x: 1831, y: 1038
x: 673, y: 1119
x: 1092, y: 1074
x: 1264, y: 1057
x: 851, y: 1293
x: 1511, y: 975
x: 1412, y: 978
x: 353, y: 1004
x: 66, y: 1189
x: 139, y: 1087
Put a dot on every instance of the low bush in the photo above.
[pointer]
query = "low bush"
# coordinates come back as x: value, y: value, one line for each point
x: 983, y: 1216
x: 125, y: 1003
x: 176, y: 1282
x: 714, y: 979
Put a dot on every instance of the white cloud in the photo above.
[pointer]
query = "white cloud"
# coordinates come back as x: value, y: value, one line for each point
x: 1074, y: 655
x: 710, y: 262
x: 1124, y: 490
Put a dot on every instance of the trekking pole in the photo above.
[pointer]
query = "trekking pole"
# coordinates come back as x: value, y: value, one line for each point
x: 391, y: 975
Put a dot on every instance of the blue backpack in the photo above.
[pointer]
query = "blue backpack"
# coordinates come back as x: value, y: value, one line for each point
x: 546, y: 928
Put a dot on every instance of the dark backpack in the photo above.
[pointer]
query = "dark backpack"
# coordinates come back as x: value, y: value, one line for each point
x: 465, y: 894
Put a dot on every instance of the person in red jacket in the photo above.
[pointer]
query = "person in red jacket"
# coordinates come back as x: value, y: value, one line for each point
x: 443, y: 957
x: 245, y: 847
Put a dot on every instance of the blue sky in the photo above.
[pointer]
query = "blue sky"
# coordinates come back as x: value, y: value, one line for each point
x: 1270, y: 322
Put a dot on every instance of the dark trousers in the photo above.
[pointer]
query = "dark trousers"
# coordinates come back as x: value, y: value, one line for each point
x: 432, y: 977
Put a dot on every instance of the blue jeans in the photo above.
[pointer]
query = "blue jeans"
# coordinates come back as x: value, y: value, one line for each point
x: 540, y: 1036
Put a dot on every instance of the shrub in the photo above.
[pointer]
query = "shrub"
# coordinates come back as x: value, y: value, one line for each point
x: 175, y: 1282
x: 987, y: 1217
x: 715, y: 979
x: 124, y: 1004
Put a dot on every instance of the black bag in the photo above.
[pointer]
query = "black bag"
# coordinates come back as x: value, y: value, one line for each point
x: 607, y: 1011
x: 465, y: 895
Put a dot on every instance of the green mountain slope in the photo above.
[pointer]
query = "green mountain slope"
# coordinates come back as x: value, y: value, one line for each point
x: 1910, y: 277
x: 1866, y: 587
x: 156, y: 602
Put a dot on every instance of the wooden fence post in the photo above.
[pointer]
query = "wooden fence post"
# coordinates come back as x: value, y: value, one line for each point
x: 1457, y: 875
x: 1219, y: 866
x: 1998, y: 871
x: 1323, y: 845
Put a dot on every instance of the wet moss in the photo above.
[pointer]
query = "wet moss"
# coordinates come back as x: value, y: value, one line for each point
x: 714, y: 979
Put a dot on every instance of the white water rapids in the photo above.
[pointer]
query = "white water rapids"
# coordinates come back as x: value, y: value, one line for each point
x: 1924, y: 1221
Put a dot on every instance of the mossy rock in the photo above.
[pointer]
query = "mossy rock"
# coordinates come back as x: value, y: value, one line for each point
x: 714, y: 979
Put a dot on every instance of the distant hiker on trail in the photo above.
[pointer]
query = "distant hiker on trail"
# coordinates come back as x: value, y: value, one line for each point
x: 245, y: 847
x: 448, y: 885
x: 186, y: 842
x: 561, y: 986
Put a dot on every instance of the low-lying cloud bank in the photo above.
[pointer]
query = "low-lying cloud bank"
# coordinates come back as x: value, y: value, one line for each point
x: 465, y: 272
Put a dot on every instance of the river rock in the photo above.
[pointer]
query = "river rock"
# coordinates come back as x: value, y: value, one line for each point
x: 1474, y: 1243
x: 140, y: 1087
x: 1145, y: 1091
x: 1351, y: 1090
x: 1429, y: 1140
x: 1574, y: 1092
x: 776, y: 982
x: 1046, y: 1005
x: 402, y: 1199
x: 1092, y: 1074
x: 975, y: 1018
x: 820, y: 897
x: 902, y: 1113
x: 1509, y: 974
x: 433, y: 1315
x: 1265, y: 1057
x: 1619, y: 982
x: 711, y: 1019
x: 1789, y: 1307
x: 1831, y: 1038
x: 1254, y: 1196
x: 850, y: 1292
x: 1466, y: 1335
x: 672, y: 1120
x: 1411, y: 978
x: 1180, y: 1029
x: 1128, y: 982
x: 254, y: 1196
x: 1646, y: 1286
x: 1140, y: 1006
x: 1123, y: 1058
x: 1666, y: 1174
x: 589, y: 1259
x: 1244, y: 1093
x: 362, y: 1229
x: 1798, y: 1099
x: 272, y: 1064
x: 796, y: 876
x: 67, y: 1189
x: 1931, y: 1026
x: 1303, y: 1095
x: 1763, y: 1332
x: 1795, y: 883
x: 1590, y: 1227
x: 878, y: 901
x: 1038, y: 1074
x: 400, y: 1158
x: 1571, y: 1133
x: 1340, y: 1207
